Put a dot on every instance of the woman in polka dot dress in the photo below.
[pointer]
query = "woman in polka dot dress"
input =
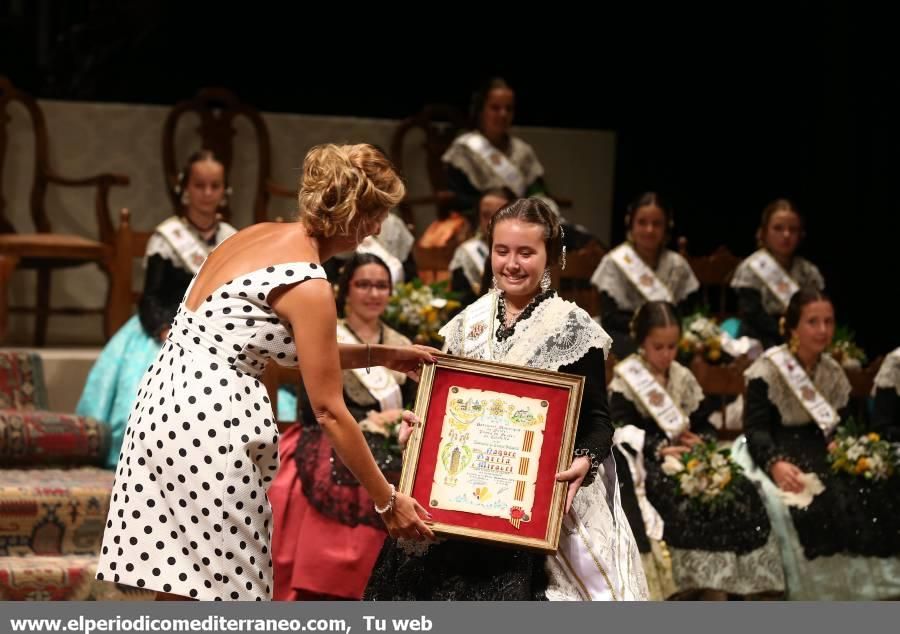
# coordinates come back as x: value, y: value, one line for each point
x: 189, y: 516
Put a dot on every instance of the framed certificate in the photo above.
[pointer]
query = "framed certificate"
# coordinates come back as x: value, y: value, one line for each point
x: 494, y: 437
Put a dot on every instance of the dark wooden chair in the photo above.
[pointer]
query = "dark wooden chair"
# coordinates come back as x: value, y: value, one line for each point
x: 575, y: 280
x: 714, y: 273
x: 862, y: 381
x: 440, y: 124
x: 218, y: 109
x: 44, y: 250
x: 724, y: 382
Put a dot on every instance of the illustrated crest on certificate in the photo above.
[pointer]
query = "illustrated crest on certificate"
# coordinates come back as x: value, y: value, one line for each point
x: 488, y: 455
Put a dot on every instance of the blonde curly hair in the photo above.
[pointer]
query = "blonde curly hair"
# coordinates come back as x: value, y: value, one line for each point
x: 343, y: 182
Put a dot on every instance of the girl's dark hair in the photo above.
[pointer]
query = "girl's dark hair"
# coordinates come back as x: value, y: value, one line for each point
x: 652, y: 315
x: 535, y: 211
x: 356, y: 261
x: 779, y: 204
x: 184, y: 176
x: 479, y: 97
x: 799, y: 301
x: 647, y: 199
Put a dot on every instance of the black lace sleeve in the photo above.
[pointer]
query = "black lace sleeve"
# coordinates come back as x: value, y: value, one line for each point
x: 760, y: 418
x: 466, y: 194
x: 459, y: 283
x: 886, y: 414
x: 164, y: 288
x: 595, y: 431
x: 611, y: 316
x: 757, y: 322
x: 700, y: 424
x: 690, y: 304
x: 410, y: 270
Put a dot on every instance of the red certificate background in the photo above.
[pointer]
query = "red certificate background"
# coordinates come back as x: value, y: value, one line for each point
x: 557, y: 397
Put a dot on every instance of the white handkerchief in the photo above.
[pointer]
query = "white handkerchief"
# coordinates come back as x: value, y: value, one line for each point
x: 812, y: 486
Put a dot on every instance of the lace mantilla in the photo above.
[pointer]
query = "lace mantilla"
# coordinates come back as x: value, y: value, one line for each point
x: 888, y: 376
x: 158, y: 245
x: 672, y: 270
x: 829, y: 379
x: 554, y: 334
x: 803, y: 272
x: 481, y: 174
x: 682, y: 387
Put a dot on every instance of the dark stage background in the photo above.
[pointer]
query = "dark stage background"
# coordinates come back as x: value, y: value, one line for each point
x: 719, y: 112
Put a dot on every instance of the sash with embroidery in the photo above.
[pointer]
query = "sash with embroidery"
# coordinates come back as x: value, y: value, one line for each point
x: 504, y: 168
x: 478, y: 321
x: 796, y: 378
x: 639, y: 274
x: 776, y: 279
x: 378, y: 380
x: 373, y: 246
x: 653, y: 396
x: 476, y: 251
x: 192, y: 251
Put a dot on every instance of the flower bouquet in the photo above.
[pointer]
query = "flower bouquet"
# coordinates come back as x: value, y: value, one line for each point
x: 844, y: 349
x: 419, y: 310
x: 706, y: 473
x: 863, y: 455
x: 700, y: 334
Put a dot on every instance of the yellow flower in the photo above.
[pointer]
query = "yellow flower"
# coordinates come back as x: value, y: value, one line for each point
x: 874, y: 437
x: 714, y: 354
x: 862, y: 465
x: 692, y: 464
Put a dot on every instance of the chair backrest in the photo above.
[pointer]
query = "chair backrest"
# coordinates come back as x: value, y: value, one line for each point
x: 440, y: 124
x: 218, y: 108
x: 723, y: 382
x: 862, y: 381
x: 433, y: 263
x: 9, y: 94
x: 714, y: 273
x: 130, y: 245
x: 575, y: 280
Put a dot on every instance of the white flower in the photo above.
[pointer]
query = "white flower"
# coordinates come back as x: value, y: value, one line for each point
x: 856, y: 452
x: 718, y: 461
x: 439, y: 303
x: 672, y: 465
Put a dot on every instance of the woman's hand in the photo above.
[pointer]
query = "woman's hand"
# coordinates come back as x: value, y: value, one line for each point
x: 407, y: 427
x: 574, y: 475
x: 675, y: 450
x: 689, y: 439
x: 787, y: 476
x: 164, y: 334
x: 406, y: 359
x: 406, y: 519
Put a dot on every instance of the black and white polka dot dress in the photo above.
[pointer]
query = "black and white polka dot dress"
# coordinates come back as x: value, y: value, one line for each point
x: 189, y: 513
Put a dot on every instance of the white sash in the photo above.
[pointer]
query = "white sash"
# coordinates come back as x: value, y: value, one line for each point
x: 476, y: 250
x: 635, y: 437
x: 504, y: 168
x: 653, y: 396
x: 373, y: 246
x: 791, y: 370
x: 597, y: 559
x: 377, y: 380
x: 192, y: 251
x: 776, y: 279
x: 639, y: 274
x: 478, y: 323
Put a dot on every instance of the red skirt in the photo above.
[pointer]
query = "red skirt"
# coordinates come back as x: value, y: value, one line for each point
x: 313, y: 554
